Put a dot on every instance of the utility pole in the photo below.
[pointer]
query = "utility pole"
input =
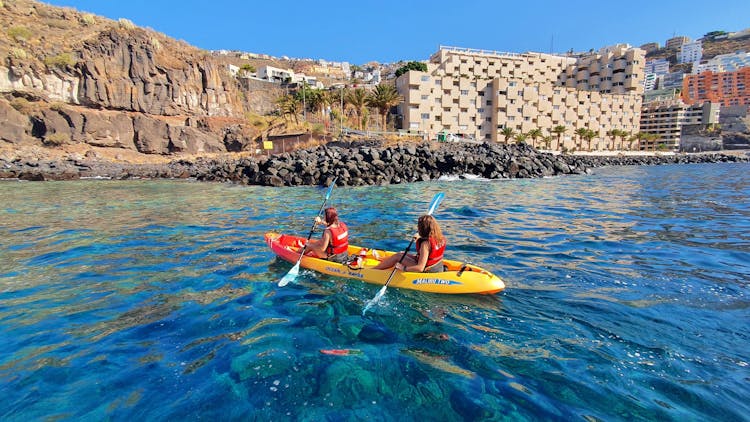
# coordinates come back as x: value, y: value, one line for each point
x: 304, y: 104
x: 341, y: 135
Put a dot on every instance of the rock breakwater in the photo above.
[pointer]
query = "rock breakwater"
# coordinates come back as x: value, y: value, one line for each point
x: 355, y: 164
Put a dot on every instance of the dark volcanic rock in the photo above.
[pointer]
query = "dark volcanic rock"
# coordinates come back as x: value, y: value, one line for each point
x: 359, y: 165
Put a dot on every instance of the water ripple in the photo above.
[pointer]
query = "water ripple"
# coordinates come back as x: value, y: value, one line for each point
x: 627, y: 299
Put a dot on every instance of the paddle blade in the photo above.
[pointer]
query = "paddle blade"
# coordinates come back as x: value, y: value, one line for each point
x: 435, y: 202
x: 290, y: 276
x: 375, y: 300
x: 330, y: 189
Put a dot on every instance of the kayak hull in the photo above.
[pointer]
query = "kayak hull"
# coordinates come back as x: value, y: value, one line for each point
x: 472, y: 279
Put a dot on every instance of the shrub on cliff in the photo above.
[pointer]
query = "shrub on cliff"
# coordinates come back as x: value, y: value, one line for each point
x: 19, y: 33
x: 60, y: 60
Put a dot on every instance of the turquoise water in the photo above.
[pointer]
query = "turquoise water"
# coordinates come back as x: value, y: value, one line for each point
x: 627, y: 299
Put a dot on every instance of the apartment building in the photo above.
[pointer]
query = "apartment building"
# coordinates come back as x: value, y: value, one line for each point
x: 723, y: 63
x: 657, y: 66
x: 650, y: 46
x: 725, y: 88
x: 478, y: 93
x: 670, y: 120
x: 676, y: 42
x: 652, y: 71
x: 690, y: 52
x: 670, y: 80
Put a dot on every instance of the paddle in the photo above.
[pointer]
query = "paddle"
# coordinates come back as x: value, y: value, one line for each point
x: 292, y: 274
x: 433, y: 206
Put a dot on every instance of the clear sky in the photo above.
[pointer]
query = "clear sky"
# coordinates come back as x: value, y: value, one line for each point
x: 393, y: 30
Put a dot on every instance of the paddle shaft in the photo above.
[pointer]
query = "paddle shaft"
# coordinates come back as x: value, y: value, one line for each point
x: 399, y: 261
x: 315, y: 223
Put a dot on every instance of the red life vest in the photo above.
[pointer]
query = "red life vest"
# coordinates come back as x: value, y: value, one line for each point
x: 339, y: 239
x: 437, y: 249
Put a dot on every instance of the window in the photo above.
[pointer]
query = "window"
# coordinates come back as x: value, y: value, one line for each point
x: 464, y: 92
x: 425, y: 116
x: 502, y: 92
x: 511, y: 83
x: 425, y: 78
x: 424, y: 97
x: 437, y: 81
x: 489, y: 102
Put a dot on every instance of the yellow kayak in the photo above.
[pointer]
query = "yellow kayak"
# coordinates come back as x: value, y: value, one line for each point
x: 459, y: 277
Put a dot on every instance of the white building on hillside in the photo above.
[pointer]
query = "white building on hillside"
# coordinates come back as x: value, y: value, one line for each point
x: 723, y: 63
x: 691, y: 52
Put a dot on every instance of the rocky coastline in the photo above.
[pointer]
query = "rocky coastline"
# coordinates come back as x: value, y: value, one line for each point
x: 356, y: 163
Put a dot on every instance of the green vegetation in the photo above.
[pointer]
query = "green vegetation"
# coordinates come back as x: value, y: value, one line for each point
x: 155, y: 43
x: 714, y: 34
x: 383, y: 97
x: 19, y: 33
x: 534, y: 134
x: 56, y: 139
x: 88, y: 19
x: 559, y: 130
x: 289, y: 108
x: 318, y: 129
x: 247, y: 68
x: 60, y: 60
x: 411, y: 66
x: 18, y: 53
x: 508, y: 133
x: 358, y: 100
x: 57, y: 106
x: 21, y: 105
x: 126, y: 24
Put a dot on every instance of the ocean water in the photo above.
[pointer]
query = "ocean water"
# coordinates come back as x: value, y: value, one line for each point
x: 627, y: 299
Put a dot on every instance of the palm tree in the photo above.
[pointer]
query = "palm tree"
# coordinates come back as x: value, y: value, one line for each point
x: 559, y: 130
x: 533, y: 134
x: 623, y: 136
x: 383, y: 97
x: 521, y: 138
x: 358, y: 99
x: 547, y: 140
x: 508, y: 133
x: 581, y: 132
x: 317, y: 100
x: 614, y: 133
x: 288, y: 106
x: 640, y: 136
x: 589, y: 136
x: 653, y: 138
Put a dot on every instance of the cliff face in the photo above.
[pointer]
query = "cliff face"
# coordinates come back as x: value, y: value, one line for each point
x: 77, y: 78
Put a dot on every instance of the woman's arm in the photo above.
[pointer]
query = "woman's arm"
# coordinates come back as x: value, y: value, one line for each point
x: 319, y: 246
x: 418, y: 267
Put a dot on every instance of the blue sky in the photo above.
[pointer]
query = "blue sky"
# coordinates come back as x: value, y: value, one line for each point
x: 392, y: 30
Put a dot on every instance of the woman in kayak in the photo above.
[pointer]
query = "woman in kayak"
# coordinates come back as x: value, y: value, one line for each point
x: 334, y: 243
x: 430, y: 249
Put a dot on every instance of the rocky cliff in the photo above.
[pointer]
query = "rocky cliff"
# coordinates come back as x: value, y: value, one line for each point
x: 67, y: 76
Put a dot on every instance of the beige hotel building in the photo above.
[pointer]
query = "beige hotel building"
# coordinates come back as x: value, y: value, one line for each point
x: 477, y: 93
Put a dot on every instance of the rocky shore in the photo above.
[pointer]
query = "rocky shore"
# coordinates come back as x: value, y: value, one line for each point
x: 355, y: 163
